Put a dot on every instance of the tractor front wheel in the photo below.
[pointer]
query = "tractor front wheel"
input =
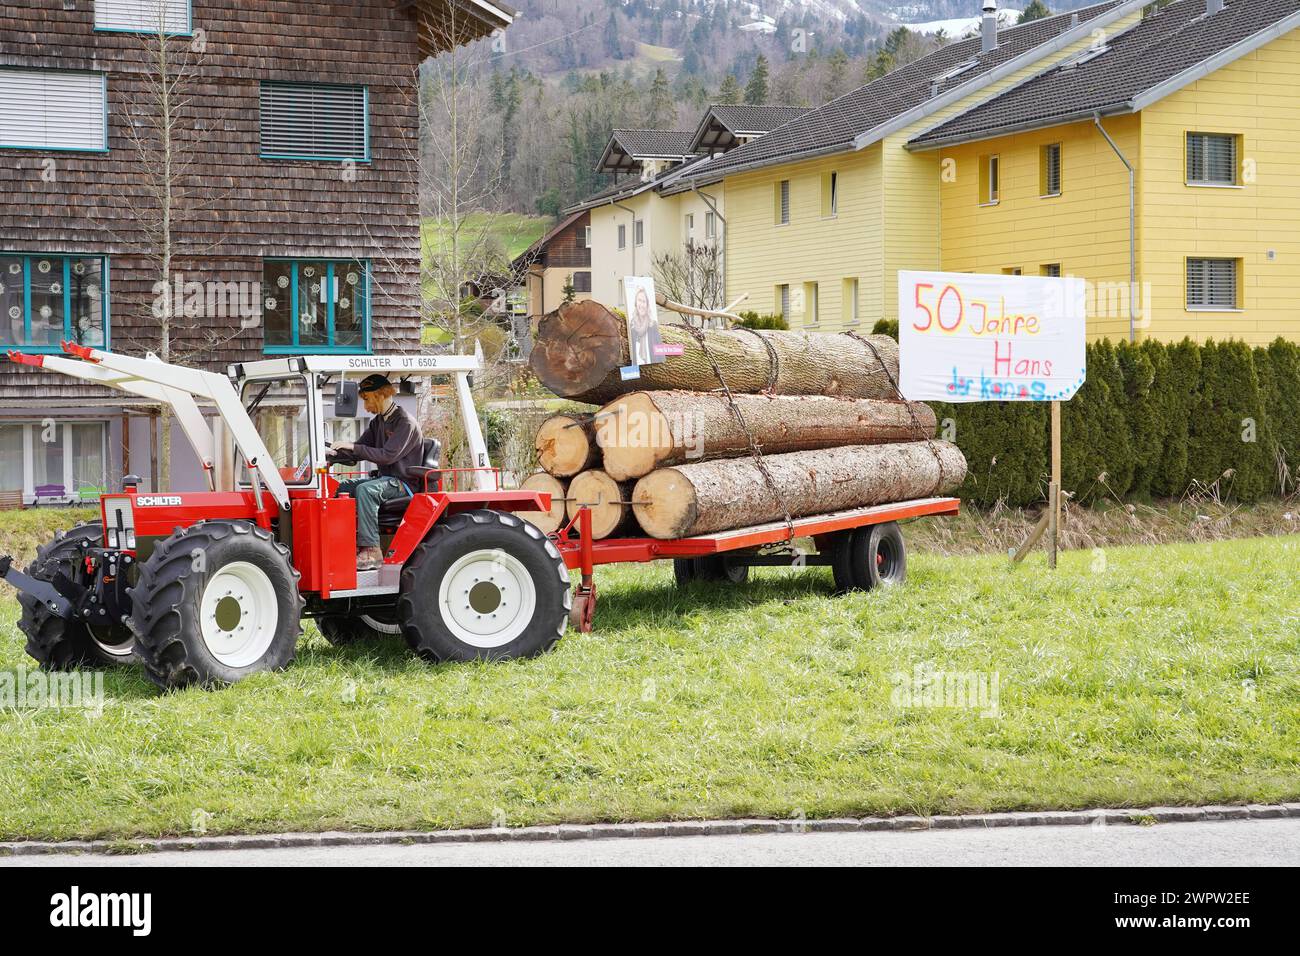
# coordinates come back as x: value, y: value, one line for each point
x: 216, y: 602
x: 485, y: 585
x: 59, y: 644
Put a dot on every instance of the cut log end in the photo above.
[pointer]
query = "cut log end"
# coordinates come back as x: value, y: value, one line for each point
x: 565, y: 446
x: 548, y: 522
x: 576, y: 346
x: 604, y: 497
x: 664, y: 503
x: 634, y: 436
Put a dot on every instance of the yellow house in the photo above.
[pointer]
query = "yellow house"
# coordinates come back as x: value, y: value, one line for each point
x: 823, y: 211
x: 1200, y: 100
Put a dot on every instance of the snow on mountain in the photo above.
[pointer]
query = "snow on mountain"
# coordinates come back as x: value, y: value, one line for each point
x: 960, y: 26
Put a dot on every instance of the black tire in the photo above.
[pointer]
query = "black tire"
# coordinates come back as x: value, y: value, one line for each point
x: 167, y: 605
x: 716, y: 568
x: 841, y: 552
x: 878, y: 556
x: 512, y: 554
x: 57, y: 644
x: 344, y: 629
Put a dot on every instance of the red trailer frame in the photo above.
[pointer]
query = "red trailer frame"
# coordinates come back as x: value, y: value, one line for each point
x: 582, y: 552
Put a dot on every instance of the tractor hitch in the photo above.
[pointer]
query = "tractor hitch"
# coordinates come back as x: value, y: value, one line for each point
x: 42, y: 591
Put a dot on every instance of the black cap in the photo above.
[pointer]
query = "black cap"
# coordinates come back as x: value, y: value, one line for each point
x: 373, y: 383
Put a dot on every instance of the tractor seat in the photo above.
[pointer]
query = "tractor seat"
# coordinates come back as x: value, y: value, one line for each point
x: 393, y: 510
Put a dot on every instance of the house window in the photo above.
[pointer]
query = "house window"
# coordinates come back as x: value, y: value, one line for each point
x: 1211, y: 159
x: 781, y: 197
x: 586, y: 237
x: 622, y: 237
x: 581, y: 281
x: 310, y: 121
x: 1213, y: 284
x: 143, y: 16
x: 1051, y: 269
x: 316, y: 305
x: 690, y: 223
x: 54, y: 461
x: 990, y: 180
x: 783, y: 301
x: 830, y: 195
x: 53, y: 110
x: 810, y: 311
x: 1049, y: 170
x: 710, y: 226
x: 638, y: 231
x: 1013, y: 271
x: 47, y: 300
x: 849, y: 301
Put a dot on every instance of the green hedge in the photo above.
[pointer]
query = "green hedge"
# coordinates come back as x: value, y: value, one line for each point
x: 1153, y: 420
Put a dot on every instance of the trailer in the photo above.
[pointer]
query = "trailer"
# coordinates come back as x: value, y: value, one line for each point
x: 864, y: 547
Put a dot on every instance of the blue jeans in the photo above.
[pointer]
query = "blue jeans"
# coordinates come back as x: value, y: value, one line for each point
x: 370, y: 494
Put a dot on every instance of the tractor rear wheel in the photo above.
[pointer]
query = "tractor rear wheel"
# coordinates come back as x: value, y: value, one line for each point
x: 485, y: 585
x: 59, y: 644
x: 216, y: 602
x: 343, y: 629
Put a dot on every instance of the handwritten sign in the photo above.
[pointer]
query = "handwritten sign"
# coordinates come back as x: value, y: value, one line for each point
x: 990, y: 338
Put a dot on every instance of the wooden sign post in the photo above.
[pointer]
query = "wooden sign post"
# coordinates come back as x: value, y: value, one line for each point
x: 1050, y: 520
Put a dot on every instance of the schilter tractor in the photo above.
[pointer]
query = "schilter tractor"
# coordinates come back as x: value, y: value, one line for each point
x: 207, y: 588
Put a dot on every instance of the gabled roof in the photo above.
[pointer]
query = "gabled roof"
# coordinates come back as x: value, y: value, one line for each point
x: 1163, y: 53
x: 723, y: 123
x: 538, y: 249
x: 911, y: 92
x: 443, y: 24
x: 629, y: 188
x: 629, y: 148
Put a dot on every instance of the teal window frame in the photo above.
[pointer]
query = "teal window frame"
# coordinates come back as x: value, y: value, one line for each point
x: 308, y: 157
x: 103, y: 79
x: 187, y: 32
x: 105, y: 293
x: 299, y: 349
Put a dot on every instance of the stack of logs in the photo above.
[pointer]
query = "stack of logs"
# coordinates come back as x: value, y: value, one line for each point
x: 670, y: 454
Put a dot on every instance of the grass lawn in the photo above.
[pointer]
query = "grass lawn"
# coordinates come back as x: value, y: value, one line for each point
x: 515, y: 231
x: 1134, y: 676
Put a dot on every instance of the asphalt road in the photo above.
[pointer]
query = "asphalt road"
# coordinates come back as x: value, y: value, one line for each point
x: 1228, y: 843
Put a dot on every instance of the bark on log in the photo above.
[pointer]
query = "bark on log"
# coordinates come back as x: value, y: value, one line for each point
x: 720, y: 495
x: 605, y: 498
x: 580, y: 348
x: 566, y: 445
x: 643, y: 431
x: 547, y: 521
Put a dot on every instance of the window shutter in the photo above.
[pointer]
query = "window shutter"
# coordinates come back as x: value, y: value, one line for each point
x: 785, y: 200
x: 1212, y: 283
x: 314, y: 122
x: 143, y: 16
x: 48, y: 109
x: 1212, y: 158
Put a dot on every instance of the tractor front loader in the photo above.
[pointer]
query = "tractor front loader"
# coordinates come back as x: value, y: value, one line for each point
x: 207, y: 588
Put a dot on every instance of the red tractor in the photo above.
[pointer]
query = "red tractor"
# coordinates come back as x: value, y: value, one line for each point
x: 210, y: 587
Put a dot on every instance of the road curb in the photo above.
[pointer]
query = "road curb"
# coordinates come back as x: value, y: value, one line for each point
x: 684, y: 828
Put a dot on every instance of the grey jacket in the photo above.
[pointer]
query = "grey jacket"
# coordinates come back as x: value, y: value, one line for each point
x: 393, y: 442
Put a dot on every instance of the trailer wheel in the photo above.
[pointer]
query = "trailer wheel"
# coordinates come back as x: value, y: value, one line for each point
x: 59, y: 644
x: 343, y: 629
x: 714, y: 567
x: 216, y: 602
x: 485, y: 585
x: 869, y: 556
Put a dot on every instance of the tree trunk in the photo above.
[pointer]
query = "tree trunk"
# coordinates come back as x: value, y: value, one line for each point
x: 566, y: 445
x: 720, y: 495
x: 605, y: 498
x: 581, y: 347
x: 547, y: 521
x: 647, y: 430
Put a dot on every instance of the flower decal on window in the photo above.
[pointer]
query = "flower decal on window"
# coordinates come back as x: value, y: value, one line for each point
x: 15, y: 268
x: 353, y: 278
x: 345, y: 303
x: 79, y: 268
x: 307, y: 319
x: 270, y: 303
x: 309, y: 271
x: 282, y: 282
x: 46, y: 312
x: 43, y: 266
x: 56, y: 288
x: 15, y: 313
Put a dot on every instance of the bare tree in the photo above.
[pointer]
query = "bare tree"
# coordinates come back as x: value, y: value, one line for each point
x: 693, y: 277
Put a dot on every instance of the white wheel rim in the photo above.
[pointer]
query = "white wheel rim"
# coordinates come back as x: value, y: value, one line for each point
x: 239, y: 614
x: 382, y: 627
x: 122, y: 651
x: 487, y: 599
